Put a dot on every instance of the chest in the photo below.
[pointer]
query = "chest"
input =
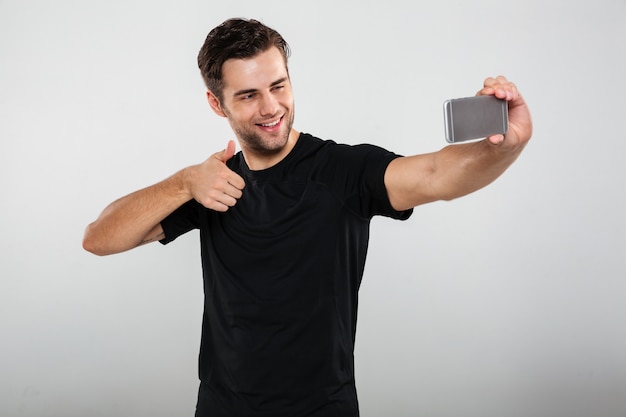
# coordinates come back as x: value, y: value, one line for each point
x: 278, y: 239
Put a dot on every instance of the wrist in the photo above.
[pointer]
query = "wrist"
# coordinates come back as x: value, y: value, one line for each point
x: 181, y: 184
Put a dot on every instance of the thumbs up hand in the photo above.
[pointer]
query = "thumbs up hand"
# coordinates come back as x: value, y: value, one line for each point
x: 212, y: 183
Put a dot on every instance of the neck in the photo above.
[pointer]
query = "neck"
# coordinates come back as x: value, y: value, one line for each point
x: 259, y: 161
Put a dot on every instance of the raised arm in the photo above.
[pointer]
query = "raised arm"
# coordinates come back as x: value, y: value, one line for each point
x: 135, y: 219
x: 457, y: 170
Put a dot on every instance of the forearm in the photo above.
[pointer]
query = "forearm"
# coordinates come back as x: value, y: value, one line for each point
x: 452, y: 172
x: 129, y: 221
x: 462, y: 169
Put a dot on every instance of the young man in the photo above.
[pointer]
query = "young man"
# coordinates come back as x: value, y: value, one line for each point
x: 284, y: 229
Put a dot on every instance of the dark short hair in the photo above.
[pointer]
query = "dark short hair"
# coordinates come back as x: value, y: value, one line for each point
x: 239, y: 39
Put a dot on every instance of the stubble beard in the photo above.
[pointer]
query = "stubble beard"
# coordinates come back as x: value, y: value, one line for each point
x: 255, y: 142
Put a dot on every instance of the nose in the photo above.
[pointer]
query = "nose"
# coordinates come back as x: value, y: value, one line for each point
x: 269, y: 105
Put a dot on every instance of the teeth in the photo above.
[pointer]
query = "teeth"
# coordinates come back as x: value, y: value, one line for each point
x: 270, y: 124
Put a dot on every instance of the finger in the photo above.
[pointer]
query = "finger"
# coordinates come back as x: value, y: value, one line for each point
x: 502, y: 79
x: 236, y: 181
x: 227, y: 200
x: 216, y: 206
x: 227, y: 153
x: 489, y: 85
x: 230, y: 185
x: 493, y: 82
x: 486, y: 91
x: 506, y: 89
x: 218, y: 201
x: 500, y: 87
x: 233, y: 191
x: 490, y: 82
x: 513, y: 91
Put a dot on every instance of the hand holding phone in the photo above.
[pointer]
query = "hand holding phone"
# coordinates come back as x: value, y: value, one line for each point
x: 475, y: 117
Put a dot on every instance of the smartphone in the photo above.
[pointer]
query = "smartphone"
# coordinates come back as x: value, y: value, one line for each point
x: 475, y: 117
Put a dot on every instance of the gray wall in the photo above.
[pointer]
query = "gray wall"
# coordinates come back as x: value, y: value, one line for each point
x: 509, y: 302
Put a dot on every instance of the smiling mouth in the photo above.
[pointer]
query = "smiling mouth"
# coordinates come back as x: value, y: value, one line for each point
x: 270, y: 124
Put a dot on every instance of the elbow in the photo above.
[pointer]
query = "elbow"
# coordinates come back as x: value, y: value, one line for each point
x: 92, y: 244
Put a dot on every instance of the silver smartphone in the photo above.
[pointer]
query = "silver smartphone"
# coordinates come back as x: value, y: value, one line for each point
x: 475, y: 117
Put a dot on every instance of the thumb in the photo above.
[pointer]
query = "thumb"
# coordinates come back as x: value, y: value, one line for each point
x: 496, y: 139
x: 227, y: 153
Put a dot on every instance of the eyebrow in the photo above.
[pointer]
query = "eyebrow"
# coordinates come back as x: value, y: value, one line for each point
x: 254, y: 90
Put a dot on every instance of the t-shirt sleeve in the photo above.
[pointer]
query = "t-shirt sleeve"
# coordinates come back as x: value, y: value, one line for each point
x: 362, y: 168
x: 180, y: 221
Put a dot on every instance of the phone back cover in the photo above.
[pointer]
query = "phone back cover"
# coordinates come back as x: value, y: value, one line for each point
x: 475, y: 117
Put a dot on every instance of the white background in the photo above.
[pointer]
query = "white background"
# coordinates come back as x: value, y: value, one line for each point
x: 508, y: 302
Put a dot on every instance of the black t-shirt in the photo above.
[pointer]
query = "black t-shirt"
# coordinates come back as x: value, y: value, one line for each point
x: 282, y: 269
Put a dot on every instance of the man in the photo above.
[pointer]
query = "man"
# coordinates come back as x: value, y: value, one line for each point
x: 284, y: 229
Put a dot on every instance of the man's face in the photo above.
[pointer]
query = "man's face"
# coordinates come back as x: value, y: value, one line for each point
x: 258, y: 102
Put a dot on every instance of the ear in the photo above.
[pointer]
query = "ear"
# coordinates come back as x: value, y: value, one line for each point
x: 215, y: 104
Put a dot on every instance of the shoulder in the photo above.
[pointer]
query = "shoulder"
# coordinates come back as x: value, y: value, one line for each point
x: 337, y: 160
x: 311, y: 142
